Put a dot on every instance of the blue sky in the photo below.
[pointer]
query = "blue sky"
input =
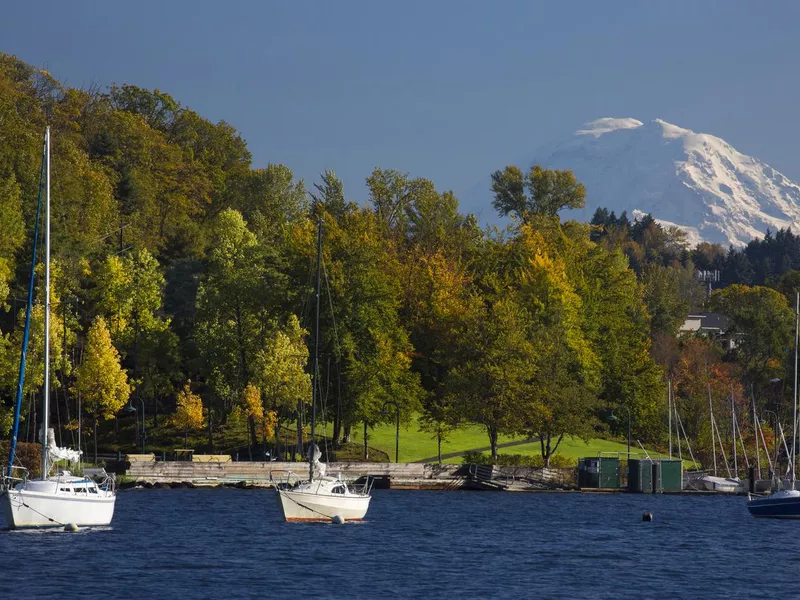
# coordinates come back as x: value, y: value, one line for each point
x: 449, y: 90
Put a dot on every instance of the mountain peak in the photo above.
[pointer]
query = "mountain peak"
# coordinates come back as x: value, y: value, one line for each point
x: 605, y: 125
x: 695, y: 181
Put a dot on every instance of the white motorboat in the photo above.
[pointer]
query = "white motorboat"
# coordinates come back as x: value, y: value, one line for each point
x: 61, y: 499
x: 321, y: 498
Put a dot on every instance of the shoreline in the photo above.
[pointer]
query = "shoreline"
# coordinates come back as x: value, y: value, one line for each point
x: 152, y: 474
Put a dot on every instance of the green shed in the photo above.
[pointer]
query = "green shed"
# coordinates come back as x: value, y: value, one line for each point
x: 640, y: 475
x: 598, y: 472
x: 671, y: 474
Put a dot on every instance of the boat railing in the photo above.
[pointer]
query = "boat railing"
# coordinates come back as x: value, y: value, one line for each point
x: 109, y: 483
x: 284, y: 480
x: 21, y: 477
x: 361, y: 489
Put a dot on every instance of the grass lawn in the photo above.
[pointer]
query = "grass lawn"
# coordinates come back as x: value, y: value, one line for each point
x: 416, y: 445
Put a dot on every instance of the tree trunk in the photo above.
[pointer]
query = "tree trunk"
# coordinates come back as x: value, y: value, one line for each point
x: 439, y: 445
x: 337, y: 429
x: 366, y: 447
x: 278, y: 439
x: 251, y: 425
x: 493, y: 442
x: 346, y: 438
x: 547, y: 451
x: 185, y: 438
x: 96, y: 423
x: 210, y: 431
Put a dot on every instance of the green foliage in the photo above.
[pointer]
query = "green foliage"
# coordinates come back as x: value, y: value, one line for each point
x: 199, y: 262
x: 761, y: 321
x: 542, y: 192
x: 100, y: 379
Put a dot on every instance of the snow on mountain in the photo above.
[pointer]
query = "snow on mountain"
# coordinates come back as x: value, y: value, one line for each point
x: 696, y: 181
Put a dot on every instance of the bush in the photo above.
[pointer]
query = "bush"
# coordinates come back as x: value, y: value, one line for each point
x: 476, y: 458
x: 557, y: 461
x: 28, y: 455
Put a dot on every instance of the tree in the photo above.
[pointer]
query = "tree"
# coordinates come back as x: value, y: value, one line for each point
x: 280, y: 371
x: 100, y: 379
x: 496, y: 367
x: 188, y: 412
x: 761, y: 323
x: 548, y: 192
x: 235, y: 307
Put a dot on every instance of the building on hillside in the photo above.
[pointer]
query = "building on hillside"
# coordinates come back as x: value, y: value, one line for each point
x: 709, y: 324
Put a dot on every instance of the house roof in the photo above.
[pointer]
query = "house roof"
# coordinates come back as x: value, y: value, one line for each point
x: 711, y: 320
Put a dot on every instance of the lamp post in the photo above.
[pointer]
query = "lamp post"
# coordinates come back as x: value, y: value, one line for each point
x: 397, y: 429
x: 132, y: 409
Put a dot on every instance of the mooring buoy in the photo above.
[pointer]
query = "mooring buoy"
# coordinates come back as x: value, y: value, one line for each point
x: 648, y: 516
x: 338, y: 519
x: 71, y: 527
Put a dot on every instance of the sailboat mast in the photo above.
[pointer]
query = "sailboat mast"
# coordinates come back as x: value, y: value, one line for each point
x: 316, y: 333
x: 711, y: 414
x: 46, y: 403
x: 794, y: 395
x: 733, y: 433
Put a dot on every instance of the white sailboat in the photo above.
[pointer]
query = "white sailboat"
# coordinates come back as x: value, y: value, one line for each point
x: 63, y: 498
x: 785, y: 503
x: 321, y: 498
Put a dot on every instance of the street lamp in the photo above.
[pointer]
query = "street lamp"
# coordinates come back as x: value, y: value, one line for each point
x: 132, y: 409
x: 615, y: 418
x: 397, y: 430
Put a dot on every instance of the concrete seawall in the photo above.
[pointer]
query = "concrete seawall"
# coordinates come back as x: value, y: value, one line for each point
x: 261, y: 474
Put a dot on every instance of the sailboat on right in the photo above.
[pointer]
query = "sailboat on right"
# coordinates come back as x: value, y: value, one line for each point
x: 785, y: 503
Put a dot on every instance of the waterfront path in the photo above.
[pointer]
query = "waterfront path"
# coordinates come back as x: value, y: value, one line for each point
x: 433, y: 459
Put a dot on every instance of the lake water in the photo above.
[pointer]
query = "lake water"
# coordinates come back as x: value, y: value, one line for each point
x: 230, y: 543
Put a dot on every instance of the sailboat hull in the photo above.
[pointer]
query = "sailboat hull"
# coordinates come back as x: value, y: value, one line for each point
x: 302, y: 506
x: 780, y: 505
x: 26, y: 508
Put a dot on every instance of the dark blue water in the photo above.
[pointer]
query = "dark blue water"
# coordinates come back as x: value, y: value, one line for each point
x: 227, y: 543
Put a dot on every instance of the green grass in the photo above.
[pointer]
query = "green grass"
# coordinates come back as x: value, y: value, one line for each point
x: 416, y: 445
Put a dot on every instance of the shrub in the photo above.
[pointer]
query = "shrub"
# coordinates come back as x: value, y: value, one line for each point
x: 557, y: 461
x: 28, y: 455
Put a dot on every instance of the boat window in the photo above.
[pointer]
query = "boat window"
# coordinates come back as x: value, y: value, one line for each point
x: 65, y: 489
x: 92, y: 490
x: 339, y: 489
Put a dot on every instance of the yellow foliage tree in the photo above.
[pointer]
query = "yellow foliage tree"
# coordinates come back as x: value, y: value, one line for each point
x: 100, y: 380
x: 188, y: 412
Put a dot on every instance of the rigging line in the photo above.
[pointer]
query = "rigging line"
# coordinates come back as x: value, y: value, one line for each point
x: 28, y: 506
x: 741, y: 441
x: 686, y: 437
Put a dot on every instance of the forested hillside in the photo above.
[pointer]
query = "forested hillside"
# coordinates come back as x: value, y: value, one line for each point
x: 179, y: 260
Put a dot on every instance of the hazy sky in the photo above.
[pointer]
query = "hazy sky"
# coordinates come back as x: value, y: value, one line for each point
x: 446, y: 90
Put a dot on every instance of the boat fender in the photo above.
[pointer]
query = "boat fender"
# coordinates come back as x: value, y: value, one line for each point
x: 71, y: 528
x: 338, y: 519
x: 648, y: 516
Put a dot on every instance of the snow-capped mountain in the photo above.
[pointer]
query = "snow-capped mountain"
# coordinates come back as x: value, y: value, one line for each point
x: 694, y: 180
